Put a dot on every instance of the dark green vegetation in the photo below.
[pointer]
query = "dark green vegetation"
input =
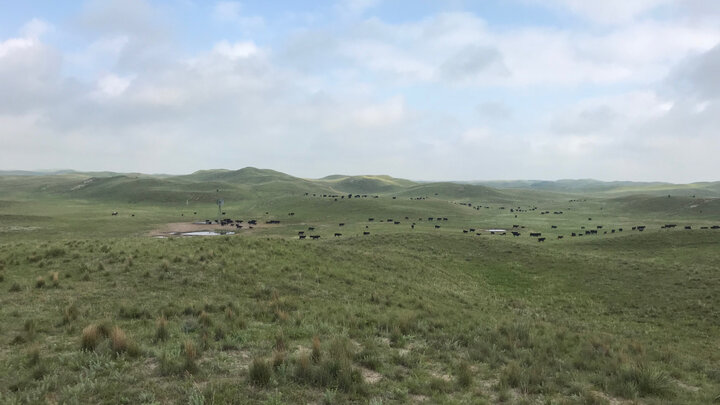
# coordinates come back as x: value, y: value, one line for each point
x: 94, y: 310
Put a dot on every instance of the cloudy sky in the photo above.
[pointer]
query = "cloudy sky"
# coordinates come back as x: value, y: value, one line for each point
x: 421, y: 89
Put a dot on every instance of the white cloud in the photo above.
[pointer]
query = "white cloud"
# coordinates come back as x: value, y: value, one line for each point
x: 112, y: 85
x: 235, y: 51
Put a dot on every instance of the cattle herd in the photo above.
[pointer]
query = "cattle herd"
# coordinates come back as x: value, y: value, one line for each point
x: 515, y: 232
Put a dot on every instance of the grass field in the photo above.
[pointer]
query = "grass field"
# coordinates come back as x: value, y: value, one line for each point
x: 96, y: 310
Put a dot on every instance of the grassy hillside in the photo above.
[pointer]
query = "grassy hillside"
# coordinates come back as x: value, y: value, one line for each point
x: 400, y: 300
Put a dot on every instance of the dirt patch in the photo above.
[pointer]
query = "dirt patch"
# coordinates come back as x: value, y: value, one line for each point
x: 416, y: 399
x: 371, y: 377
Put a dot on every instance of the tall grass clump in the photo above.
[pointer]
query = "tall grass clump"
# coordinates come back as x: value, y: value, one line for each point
x: 190, y: 356
x: 260, y: 372
x: 118, y: 340
x: 161, y: 329
x: 90, y: 338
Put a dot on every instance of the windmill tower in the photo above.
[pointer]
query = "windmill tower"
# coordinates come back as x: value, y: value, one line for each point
x: 220, y: 204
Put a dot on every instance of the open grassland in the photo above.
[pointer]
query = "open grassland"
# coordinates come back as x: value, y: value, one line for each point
x: 94, y: 310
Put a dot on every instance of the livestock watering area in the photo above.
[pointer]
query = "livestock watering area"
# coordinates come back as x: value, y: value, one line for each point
x: 356, y: 289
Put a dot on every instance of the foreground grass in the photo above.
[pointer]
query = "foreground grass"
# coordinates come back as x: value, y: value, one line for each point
x: 384, y: 319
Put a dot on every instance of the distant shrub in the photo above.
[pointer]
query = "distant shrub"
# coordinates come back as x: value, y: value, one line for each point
x: 15, y: 287
x: 40, y: 282
x: 55, y: 278
x: 260, y: 372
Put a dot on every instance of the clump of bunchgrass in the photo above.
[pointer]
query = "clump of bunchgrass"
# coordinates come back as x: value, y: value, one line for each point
x: 55, y: 278
x: 40, y: 282
x: 190, y: 356
x: 316, y: 352
x: 90, y: 338
x: 260, y: 372
x: 204, y: 319
x: 70, y: 313
x: 15, y: 287
x: 161, y: 329
x: 464, y: 375
x: 118, y: 340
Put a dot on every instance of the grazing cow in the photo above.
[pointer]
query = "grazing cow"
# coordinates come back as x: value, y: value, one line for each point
x: 291, y: 214
x: 478, y: 233
x: 437, y: 226
x: 114, y: 213
x: 194, y: 212
x: 516, y: 226
x: 407, y: 218
x: 560, y: 236
x: 703, y: 227
x: 315, y: 237
x: 465, y: 231
x: 573, y: 234
x: 516, y: 233
x: 612, y: 231
x: 492, y: 232
x: 224, y: 213
x: 132, y: 215
x: 620, y: 230
x: 472, y: 229
x: 688, y: 227
x: 341, y: 224
x: 366, y: 233
x: 337, y: 234
x: 715, y: 227
x: 311, y: 228
x: 302, y: 236
x: 371, y: 219
x: 182, y: 215
x: 394, y: 198
x: 238, y: 226
x: 599, y: 227
x: 589, y: 219
x: 541, y: 239
x: 252, y: 222
x: 412, y: 226
x: 535, y: 234
x: 553, y: 226
x: 396, y: 222
x: 301, y: 232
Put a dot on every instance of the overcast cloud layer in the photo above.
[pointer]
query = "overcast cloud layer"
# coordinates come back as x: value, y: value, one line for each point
x: 456, y: 90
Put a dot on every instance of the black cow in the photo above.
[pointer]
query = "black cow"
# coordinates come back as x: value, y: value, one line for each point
x: 560, y: 236
x: 371, y: 219
x: 341, y: 224
x: 535, y: 234
x: 301, y: 232
x: 396, y: 222
x: 553, y: 226
x: 302, y: 236
x: 114, y: 213
x: 516, y: 233
x: 315, y: 236
x: 465, y: 231
x: 337, y: 234
x: 437, y: 226
x: 541, y: 239
x: 311, y: 228
x: 366, y: 233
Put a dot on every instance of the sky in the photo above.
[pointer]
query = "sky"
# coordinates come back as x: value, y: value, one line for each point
x: 419, y: 89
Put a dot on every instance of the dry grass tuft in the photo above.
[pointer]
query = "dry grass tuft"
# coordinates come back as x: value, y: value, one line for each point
x: 118, y: 340
x: 90, y: 338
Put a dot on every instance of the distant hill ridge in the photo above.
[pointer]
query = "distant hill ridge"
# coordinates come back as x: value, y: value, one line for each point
x: 252, y: 180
